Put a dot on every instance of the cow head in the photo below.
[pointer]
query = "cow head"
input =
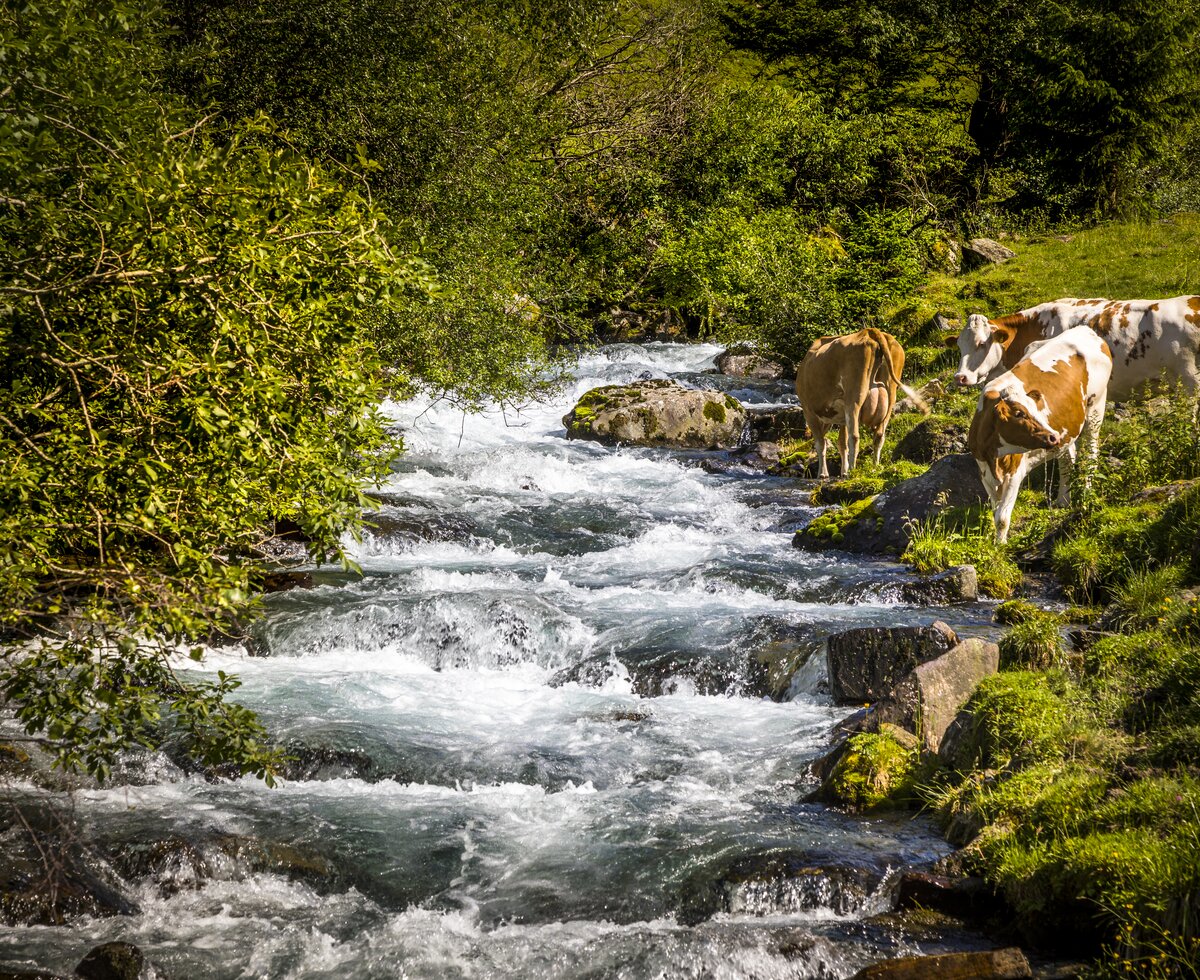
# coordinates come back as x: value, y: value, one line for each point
x: 982, y: 344
x: 1021, y: 421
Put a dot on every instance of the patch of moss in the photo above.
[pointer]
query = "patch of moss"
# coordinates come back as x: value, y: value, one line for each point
x: 715, y: 412
x: 871, y: 481
x: 1017, y: 718
x: 874, y: 772
x: 832, y: 525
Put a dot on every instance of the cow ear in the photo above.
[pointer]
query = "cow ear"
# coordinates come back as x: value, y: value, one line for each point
x: 1002, y: 336
x: 991, y: 396
x: 950, y: 340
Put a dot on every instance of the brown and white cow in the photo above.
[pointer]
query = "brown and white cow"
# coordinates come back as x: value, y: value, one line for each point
x: 1149, y: 339
x: 988, y: 348
x: 850, y: 381
x: 1038, y: 411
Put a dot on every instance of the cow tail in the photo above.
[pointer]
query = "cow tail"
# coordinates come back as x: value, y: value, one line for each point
x: 885, y: 356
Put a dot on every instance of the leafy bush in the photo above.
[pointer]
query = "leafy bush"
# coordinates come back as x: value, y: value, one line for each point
x: 185, y: 365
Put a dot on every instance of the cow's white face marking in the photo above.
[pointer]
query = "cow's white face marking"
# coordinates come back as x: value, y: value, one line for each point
x: 981, y: 353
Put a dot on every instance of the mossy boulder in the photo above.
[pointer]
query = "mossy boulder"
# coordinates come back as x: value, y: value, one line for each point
x: 882, y: 525
x: 657, y: 413
x: 875, y: 771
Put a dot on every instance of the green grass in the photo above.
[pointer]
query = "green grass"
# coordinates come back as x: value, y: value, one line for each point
x: 1117, y: 261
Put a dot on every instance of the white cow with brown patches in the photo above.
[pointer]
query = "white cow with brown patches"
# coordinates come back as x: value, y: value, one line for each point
x: 988, y: 348
x: 1038, y: 411
x: 1149, y: 339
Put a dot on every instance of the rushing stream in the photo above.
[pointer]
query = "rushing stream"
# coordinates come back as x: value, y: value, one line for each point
x: 532, y: 737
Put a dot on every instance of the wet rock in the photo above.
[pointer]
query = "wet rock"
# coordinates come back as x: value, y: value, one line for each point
x: 774, y: 424
x: 321, y: 762
x: 1083, y: 639
x: 30, y: 975
x: 282, y: 581
x: 979, y: 252
x: 657, y: 413
x: 928, y: 700
x: 46, y: 876
x: 996, y: 964
x: 758, y: 457
x: 931, y: 439
x: 866, y: 663
x: 390, y: 525
x: 784, y: 884
x: 964, y: 897
x: 743, y: 361
x: 957, y: 584
x: 112, y: 961
x: 776, y: 882
x: 882, y: 526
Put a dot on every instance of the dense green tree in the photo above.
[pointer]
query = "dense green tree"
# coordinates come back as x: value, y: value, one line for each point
x: 186, y: 362
x: 1064, y: 101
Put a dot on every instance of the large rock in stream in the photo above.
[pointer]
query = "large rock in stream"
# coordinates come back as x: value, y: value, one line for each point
x: 657, y: 413
x: 882, y: 525
x: 866, y: 663
x: 928, y: 699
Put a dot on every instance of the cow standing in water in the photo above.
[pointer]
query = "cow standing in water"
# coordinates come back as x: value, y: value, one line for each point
x: 1149, y: 339
x: 849, y: 381
x: 1038, y: 411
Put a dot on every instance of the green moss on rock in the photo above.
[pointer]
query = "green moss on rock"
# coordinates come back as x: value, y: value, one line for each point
x: 715, y: 412
x: 874, y: 772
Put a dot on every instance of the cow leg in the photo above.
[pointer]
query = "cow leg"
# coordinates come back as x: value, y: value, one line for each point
x: 880, y: 435
x: 1002, y: 505
x: 1066, y: 467
x: 819, y: 445
x: 850, y: 428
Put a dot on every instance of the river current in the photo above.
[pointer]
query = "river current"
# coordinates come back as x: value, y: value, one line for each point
x: 533, y: 734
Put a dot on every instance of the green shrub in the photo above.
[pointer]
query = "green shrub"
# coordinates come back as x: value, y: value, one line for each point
x: 1016, y: 611
x: 1140, y: 598
x: 1034, y: 644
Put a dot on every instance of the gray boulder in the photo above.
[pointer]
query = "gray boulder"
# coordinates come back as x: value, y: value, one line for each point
x: 657, y: 413
x: 931, y: 439
x: 744, y: 362
x: 928, y: 700
x: 866, y: 663
x: 957, y: 584
x: 983, y: 251
x: 883, y: 526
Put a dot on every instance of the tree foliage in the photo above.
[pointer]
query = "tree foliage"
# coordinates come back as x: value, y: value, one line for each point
x: 185, y: 364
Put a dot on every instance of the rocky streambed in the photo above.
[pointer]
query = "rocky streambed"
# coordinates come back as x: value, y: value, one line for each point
x: 562, y: 725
